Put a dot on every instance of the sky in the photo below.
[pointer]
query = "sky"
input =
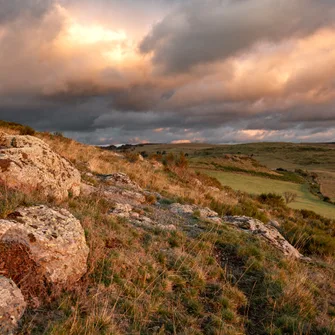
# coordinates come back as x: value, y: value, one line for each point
x: 136, y: 71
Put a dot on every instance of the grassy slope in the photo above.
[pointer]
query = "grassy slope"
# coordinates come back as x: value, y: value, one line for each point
x: 203, y: 279
x: 258, y: 185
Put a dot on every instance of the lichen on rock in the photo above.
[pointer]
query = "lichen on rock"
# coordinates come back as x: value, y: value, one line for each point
x: 28, y: 163
x: 41, y: 246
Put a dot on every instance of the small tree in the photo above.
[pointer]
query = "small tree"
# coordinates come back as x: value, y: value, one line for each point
x: 182, y: 161
x: 290, y: 197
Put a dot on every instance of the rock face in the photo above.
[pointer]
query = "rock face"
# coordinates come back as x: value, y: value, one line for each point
x: 28, y: 163
x: 268, y: 232
x: 12, y: 306
x: 41, y: 246
x: 204, y: 213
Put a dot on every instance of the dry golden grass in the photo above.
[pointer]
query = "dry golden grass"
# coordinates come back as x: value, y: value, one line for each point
x: 9, y: 131
x: 156, y: 282
x: 148, y: 174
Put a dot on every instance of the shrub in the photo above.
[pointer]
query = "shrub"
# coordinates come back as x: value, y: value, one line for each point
x: 271, y: 199
x: 290, y: 197
x: 132, y: 157
x: 209, y: 181
x: 26, y: 130
x: 150, y: 199
x: 182, y: 161
x: 22, y: 130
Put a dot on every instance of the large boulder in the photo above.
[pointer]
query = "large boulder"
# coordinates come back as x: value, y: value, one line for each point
x: 42, y: 247
x: 267, y: 232
x: 12, y: 306
x: 28, y: 163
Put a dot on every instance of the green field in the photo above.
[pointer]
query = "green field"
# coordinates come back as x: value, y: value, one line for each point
x: 252, y: 168
x: 258, y: 185
x: 314, y: 157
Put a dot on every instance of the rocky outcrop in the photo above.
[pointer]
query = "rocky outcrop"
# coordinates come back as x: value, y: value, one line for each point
x: 12, y: 306
x: 267, y: 232
x: 121, y: 180
x: 138, y: 218
x: 28, y: 163
x: 188, y: 210
x: 41, y: 246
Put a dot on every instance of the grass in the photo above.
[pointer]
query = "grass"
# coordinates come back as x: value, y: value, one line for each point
x: 314, y: 157
x: 204, y: 278
x: 258, y: 185
x: 327, y: 181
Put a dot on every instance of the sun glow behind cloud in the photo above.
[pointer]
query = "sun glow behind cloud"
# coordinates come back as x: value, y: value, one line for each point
x: 104, y: 45
x: 93, y: 34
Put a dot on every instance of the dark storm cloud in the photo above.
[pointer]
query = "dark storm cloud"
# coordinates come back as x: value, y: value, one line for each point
x: 206, y: 31
x: 11, y: 9
x: 54, y: 82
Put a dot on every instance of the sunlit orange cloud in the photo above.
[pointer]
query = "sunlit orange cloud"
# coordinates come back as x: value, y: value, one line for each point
x: 110, y: 46
x: 294, y: 71
x: 180, y: 142
x: 105, y: 57
x: 66, y: 50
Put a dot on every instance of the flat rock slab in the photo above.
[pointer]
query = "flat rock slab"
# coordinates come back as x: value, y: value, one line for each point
x: 267, y: 232
x: 12, y: 306
x: 203, y: 212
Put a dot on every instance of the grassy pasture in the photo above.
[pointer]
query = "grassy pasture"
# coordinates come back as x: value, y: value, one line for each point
x: 314, y: 157
x: 258, y: 185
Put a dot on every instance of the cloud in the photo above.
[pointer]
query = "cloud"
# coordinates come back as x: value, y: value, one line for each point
x: 180, y: 142
x: 211, y: 70
x: 11, y: 10
x: 207, y: 31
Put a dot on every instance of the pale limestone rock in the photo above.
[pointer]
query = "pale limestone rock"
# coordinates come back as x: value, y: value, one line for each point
x: 87, y: 190
x: 197, y: 183
x: 267, y: 232
x: 117, y: 193
x: 204, y: 213
x: 121, y: 180
x: 40, y: 243
x: 122, y: 210
x: 28, y: 163
x: 12, y: 306
x: 156, y: 165
x: 169, y: 227
x: 214, y: 189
